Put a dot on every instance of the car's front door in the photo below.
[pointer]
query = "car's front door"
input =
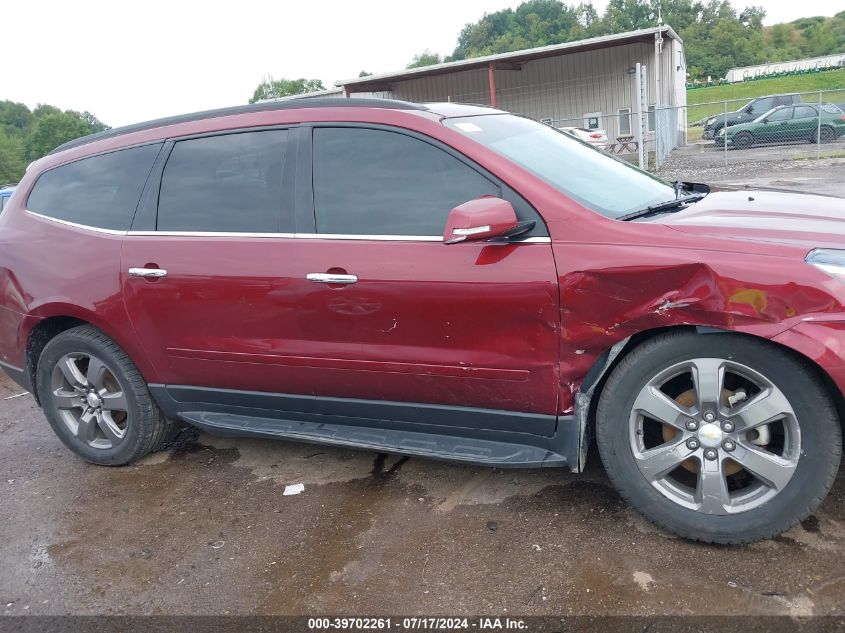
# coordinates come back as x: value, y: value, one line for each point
x: 472, y: 324
x: 776, y: 127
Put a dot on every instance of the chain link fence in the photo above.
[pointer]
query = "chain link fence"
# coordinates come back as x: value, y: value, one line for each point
x: 766, y: 129
x: 727, y: 133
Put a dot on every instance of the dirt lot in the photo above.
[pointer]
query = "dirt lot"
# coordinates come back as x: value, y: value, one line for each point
x: 204, y: 528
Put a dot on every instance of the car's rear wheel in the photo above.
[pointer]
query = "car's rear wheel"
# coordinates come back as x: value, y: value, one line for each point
x: 96, y: 400
x: 826, y: 134
x: 719, y: 437
x: 743, y: 140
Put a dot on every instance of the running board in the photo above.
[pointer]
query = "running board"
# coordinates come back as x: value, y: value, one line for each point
x: 435, y: 446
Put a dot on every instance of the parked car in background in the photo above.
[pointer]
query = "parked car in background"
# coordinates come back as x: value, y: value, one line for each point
x: 5, y: 193
x: 787, y: 124
x: 443, y: 281
x: 597, y: 138
x: 750, y: 111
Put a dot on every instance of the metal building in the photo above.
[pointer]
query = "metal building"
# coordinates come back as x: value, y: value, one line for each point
x: 588, y: 83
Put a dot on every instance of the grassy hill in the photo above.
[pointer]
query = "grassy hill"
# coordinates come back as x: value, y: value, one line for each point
x: 745, y: 91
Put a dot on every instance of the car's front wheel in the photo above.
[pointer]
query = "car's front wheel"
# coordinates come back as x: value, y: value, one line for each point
x: 720, y: 437
x: 96, y: 400
x: 743, y: 140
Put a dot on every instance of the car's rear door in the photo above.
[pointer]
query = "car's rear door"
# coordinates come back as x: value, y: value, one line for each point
x: 217, y: 222
x: 472, y: 324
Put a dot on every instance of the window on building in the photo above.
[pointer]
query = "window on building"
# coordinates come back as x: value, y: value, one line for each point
x: 101, y: 192
x: 652, y: 120
x: 625, y: 122
x: 230, y: 183
x: 377, y: 182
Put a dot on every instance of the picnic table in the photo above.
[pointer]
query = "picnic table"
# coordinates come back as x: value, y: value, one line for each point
x: 623, y: 145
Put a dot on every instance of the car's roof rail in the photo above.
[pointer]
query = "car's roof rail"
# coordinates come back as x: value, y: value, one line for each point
x: 292, y: 104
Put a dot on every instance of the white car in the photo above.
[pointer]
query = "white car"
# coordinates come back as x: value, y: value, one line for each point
x: 596, y: 138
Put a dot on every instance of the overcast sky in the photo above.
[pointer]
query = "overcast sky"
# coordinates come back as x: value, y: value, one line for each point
x: 130, y: 61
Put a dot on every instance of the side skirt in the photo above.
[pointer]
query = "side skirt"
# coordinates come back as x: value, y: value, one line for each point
x: 490, y: 437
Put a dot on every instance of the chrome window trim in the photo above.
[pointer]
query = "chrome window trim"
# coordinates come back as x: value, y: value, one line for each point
x: 207, y: 234
x: 379, y: 238
x: 405, y: 238
x: 307, y: 236
x: 84, y: 227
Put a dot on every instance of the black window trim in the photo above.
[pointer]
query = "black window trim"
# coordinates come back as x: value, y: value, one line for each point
x: 88, y: 227
x: 539, y: 234
x: 147, y: 224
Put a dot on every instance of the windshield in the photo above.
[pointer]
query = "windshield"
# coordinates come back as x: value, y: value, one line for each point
x: 604, y: 184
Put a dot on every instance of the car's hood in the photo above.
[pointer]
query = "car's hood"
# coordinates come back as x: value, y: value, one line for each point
x: 765, y: 215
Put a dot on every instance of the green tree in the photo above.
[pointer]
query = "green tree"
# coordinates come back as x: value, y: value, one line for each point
x: 26, y: 135
x: 53, y: 129
x: 270, y: 88
x: 12, y: 161
x: 532, y: 23
x: 716, y: 35
x: 15, y: 118
x: 426, y: 58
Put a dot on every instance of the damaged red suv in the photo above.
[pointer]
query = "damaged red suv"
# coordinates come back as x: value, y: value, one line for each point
x: 441, y: 280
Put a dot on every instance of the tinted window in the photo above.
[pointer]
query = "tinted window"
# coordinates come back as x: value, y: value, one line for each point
x: 230, y: 183
x: 374, y: 182
x: 784, y: 100
x: 101, y: 191
x: 780, y: 115
x: 804, y: 112
x: 761, y: 105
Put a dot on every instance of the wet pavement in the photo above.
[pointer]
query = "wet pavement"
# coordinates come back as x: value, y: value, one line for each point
x: 203, y: 528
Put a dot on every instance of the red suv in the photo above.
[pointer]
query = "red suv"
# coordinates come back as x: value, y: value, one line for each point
x: 439, y: 280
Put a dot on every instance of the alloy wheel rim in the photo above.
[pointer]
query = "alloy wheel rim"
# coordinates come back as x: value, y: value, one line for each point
x: 733, y: 449
x: 90, y: 401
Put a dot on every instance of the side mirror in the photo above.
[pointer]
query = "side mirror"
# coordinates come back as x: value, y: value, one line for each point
x: 483, y: 219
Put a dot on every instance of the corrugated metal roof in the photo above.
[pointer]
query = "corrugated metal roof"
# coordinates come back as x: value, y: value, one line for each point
x: 604, y: 41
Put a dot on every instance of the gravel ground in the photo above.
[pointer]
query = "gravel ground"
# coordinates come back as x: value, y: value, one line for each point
x: 203, y: 528
x: 792, y: 167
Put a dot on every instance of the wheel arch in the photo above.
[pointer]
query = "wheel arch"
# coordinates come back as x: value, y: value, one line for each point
x: 589, y: 394
x: 50, y: 320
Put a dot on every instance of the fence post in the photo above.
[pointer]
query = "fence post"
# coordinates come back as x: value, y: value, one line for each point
x: 638, y: 87
x: 819, y: 129
x: 725, y: 132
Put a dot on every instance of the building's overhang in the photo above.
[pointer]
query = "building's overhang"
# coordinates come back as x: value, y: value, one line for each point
x: 504, y: 61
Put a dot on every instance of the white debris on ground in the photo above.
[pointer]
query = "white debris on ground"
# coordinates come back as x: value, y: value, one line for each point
x: 293, y: 489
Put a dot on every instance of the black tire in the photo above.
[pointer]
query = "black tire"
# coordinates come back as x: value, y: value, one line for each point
x: 743, y: 140
x: 826, y: 134
x: 820, y: 436
x: 145, y: 427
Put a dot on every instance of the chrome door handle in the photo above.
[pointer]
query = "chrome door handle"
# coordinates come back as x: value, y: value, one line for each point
x: 155, y: 273
x: 330, y: 278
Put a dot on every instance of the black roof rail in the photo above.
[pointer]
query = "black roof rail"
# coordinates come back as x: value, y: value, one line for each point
x: 288, y: 104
